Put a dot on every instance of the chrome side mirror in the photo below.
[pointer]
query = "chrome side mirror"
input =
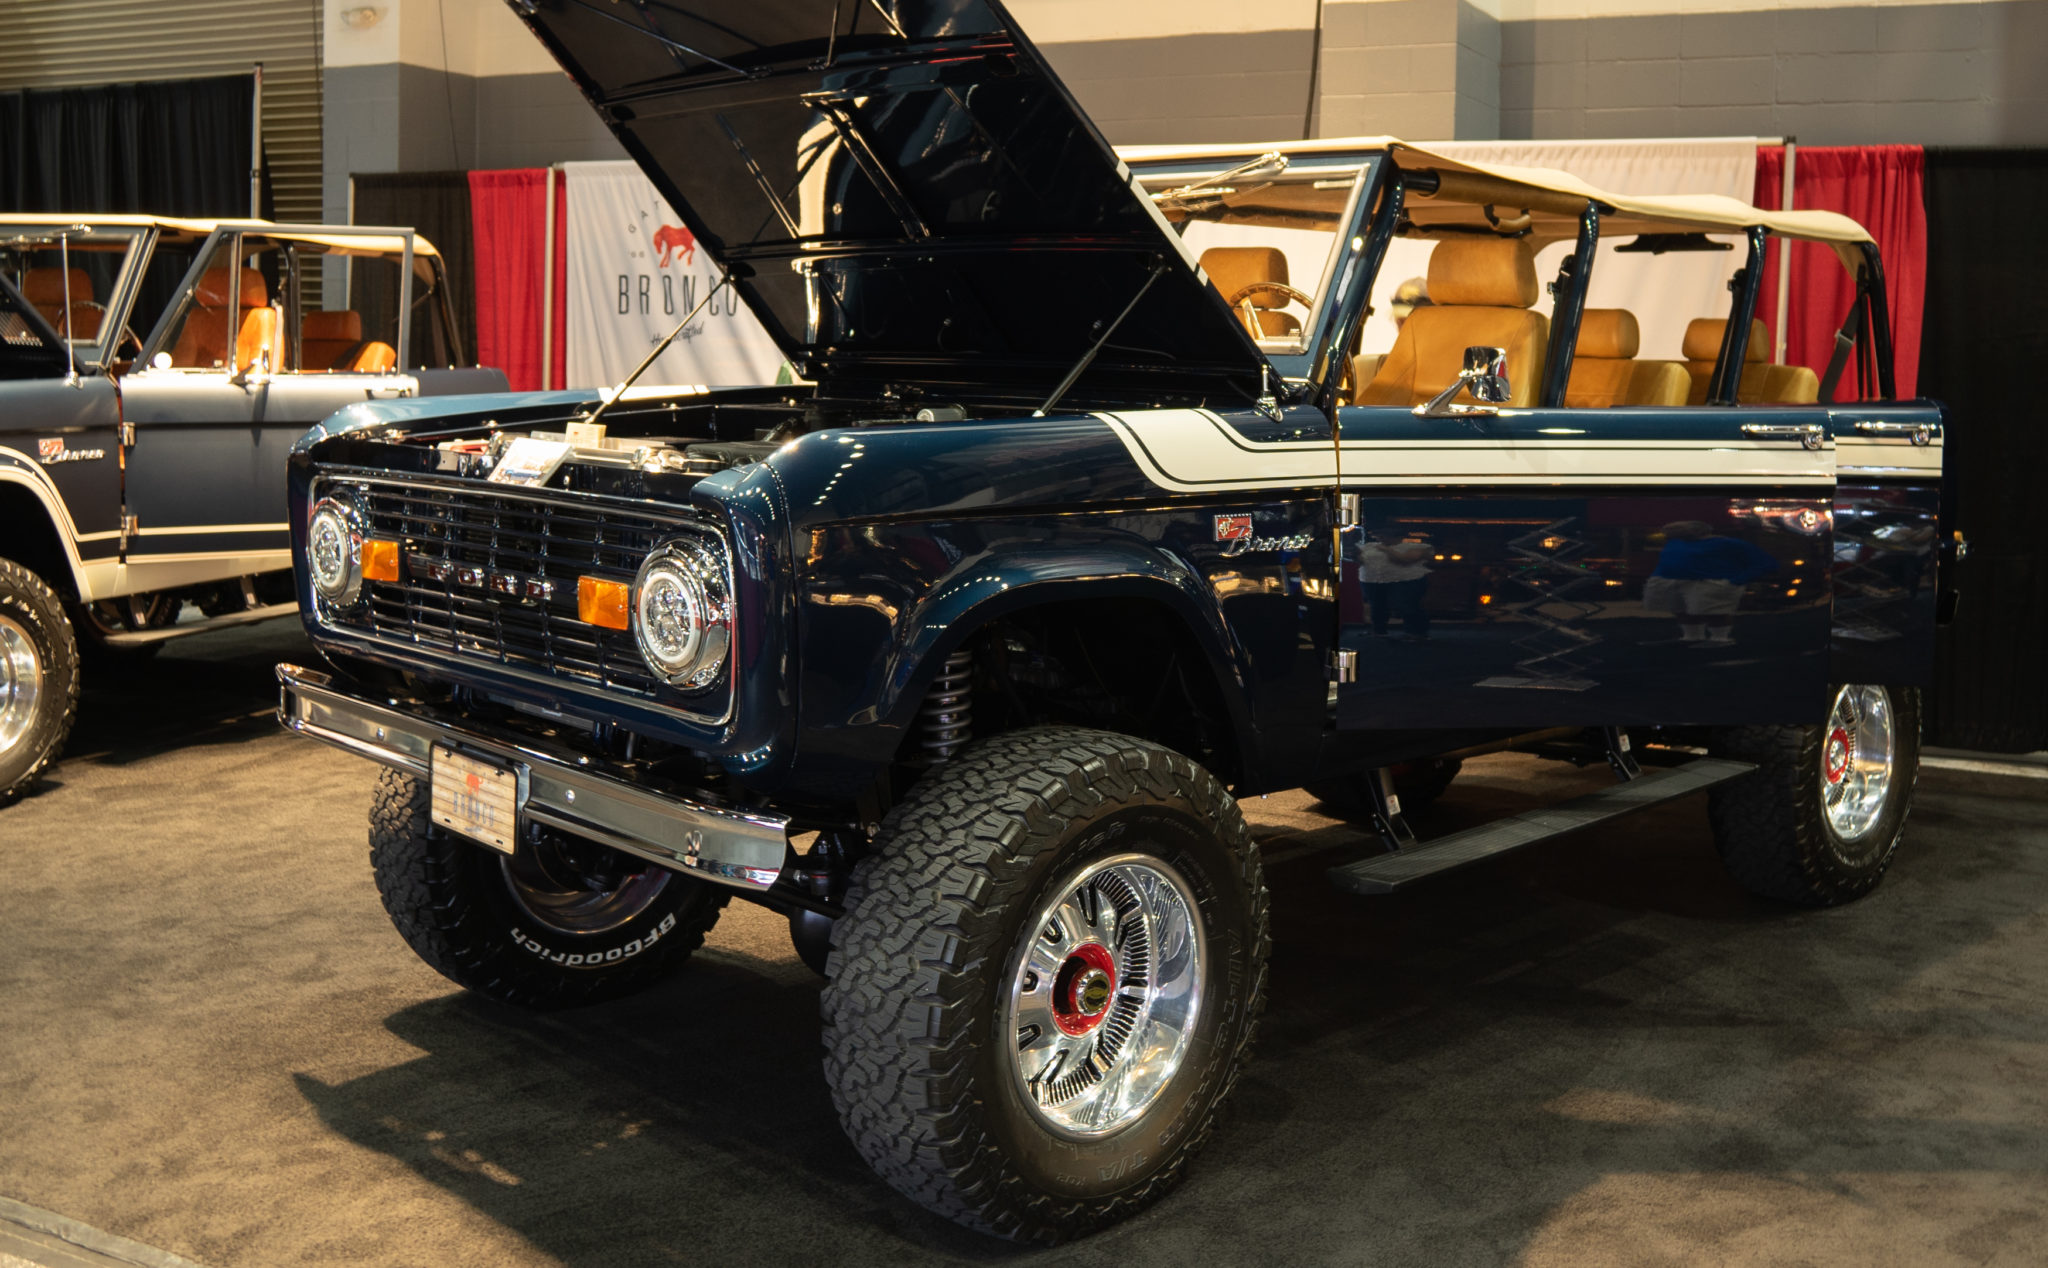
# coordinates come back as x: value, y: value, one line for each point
x: 1485, y: 376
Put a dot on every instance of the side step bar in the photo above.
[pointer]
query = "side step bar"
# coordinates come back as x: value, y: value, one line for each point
x: 141, y: 638
x: 1385, y: 873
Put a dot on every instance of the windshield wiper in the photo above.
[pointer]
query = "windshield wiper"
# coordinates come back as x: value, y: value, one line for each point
x: 1213, y: 188
x: 1088, y: 357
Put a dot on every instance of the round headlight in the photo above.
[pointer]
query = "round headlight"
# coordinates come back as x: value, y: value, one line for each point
x: 682, y: 615
x: 334, y: 550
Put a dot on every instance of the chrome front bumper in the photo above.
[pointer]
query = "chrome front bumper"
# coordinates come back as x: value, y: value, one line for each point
x: 557, y: 789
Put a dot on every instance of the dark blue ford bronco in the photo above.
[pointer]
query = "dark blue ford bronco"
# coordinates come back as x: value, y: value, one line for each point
x: 1107, y: 495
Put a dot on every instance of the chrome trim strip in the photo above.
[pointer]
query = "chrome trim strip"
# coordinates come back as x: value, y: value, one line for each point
x: 730, y: 847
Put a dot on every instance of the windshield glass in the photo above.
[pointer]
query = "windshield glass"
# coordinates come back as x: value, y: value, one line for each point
x: 1264, y: 229
x: 25, y: 351
x: 71, y: 273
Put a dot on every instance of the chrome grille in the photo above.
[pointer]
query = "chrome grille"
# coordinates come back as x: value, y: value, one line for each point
x: 456, y: 542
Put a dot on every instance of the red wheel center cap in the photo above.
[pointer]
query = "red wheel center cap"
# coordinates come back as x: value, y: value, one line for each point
x: 1081, y: 994
x: 1836, y: 762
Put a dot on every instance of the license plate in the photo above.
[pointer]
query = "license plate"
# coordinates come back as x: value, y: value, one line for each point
x: 475, y: 798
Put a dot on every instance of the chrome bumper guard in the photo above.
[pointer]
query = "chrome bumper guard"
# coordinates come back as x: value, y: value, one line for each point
x: 730, y: 847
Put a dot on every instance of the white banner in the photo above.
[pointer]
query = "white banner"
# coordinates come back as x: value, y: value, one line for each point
x: 634, y: 271
x: 1663, y: 291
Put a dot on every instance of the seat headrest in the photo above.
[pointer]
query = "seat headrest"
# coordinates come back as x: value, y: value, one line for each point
x: 1611, y: 333
x: 213, y: 289
x: 1488, y: 272
x: 1232, y: 269
x: 46, y: 286
x: 1703, y: 339
x: 345, y: 323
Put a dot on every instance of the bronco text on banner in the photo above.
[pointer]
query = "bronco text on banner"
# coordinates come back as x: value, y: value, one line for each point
x: 634, y: 272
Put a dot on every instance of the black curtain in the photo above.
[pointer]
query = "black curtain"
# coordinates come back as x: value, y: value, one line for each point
x: 172, y: 148
x: 437, y: 205
x: 1986, y: 332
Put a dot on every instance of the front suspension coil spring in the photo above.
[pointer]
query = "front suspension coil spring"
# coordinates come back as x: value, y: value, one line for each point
x: 947, y: 718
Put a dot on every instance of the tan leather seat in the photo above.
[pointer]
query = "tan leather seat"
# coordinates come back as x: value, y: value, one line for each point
x: 45, y: 288
x: 1480, y: 290
x: 1764, y: 382
x: 1231, y: 269
x: 1605, y: 372
x: 204, y: 340
x: 330, y: 340
x: 375, y: 358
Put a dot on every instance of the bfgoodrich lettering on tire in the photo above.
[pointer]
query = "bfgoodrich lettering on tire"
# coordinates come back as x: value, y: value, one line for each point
x: 1046, y: 981
x: 563, y: 922
x: 38, y: 679
x: 1818, y: 821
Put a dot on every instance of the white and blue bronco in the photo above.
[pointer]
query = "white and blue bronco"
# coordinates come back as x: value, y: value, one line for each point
x: 1100, y: 501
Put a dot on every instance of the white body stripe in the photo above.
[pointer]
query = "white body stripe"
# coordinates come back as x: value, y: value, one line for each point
x: 1891, y: 456
x: 1194, y: 451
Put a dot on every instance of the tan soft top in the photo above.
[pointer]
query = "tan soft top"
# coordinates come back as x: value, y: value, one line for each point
x: 339, y: 239
x: 1552, y: 198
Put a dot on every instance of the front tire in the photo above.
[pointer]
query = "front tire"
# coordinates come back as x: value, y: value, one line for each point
x: 38, y: 679
x: 1046, y: 981
x: 561, y: 923
x: 1819, y: 820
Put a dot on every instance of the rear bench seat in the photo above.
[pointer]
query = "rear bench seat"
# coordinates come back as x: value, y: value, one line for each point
x: 1763, y: 382
x: 1605, y: 372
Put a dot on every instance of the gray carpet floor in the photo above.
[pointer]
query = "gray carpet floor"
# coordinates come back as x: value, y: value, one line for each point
x: 1596, y: 1052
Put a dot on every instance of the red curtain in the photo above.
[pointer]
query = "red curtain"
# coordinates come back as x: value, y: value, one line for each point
x: 510, y: 212
x: 1879, y: 187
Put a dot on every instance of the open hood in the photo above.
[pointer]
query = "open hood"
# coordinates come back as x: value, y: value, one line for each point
x: 906, y: 194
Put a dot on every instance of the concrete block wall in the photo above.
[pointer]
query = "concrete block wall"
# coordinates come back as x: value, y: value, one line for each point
x: 460, y: 83
x: 1953, y: 73
x: 1425, y: 70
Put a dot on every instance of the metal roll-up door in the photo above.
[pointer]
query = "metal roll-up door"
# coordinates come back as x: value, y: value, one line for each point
x: 83, y: 43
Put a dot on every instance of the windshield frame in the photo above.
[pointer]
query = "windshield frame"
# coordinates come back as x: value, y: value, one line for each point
x: 1291, y: 358
x: 93, y: 354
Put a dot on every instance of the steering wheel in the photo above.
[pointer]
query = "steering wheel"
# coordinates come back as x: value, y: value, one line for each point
x: 1240, y: 301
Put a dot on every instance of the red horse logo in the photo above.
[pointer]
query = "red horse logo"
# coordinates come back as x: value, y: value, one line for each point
x: 674, y: 241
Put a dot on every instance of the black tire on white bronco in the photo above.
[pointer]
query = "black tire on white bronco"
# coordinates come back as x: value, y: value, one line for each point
x: 38, y: 679
x: 1818, y: 821
x: 1038, y: 911
x: 561, y: 923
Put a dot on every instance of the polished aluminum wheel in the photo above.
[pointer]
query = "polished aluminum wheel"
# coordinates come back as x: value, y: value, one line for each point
x: 580, y: 887
x: 1105, y: 991
x: 21, y: 684
x: 1857, y: 760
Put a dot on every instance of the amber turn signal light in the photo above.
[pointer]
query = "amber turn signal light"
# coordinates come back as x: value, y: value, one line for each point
x: 380, y: 560
x: 601, y: 602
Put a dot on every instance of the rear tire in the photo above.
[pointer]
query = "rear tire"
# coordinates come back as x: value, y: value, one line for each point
x: 563, y: 923
x: 1819, y: 820
x: 38, y: 679
x: 1008, y: 1095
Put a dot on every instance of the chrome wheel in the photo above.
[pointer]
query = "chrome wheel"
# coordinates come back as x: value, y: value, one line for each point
x: 21, y: 683
x: 1105, y: 991
x: 1858, y: 755
x: 580, y: 887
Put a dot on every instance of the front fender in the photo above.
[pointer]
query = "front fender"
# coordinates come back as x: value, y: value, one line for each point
x: 867, y: 665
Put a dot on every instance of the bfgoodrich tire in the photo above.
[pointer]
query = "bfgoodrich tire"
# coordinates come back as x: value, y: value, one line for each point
x: 38, y: 679
x: 1819, y: 820
x: 564, y: 922
x: 1046, y: 981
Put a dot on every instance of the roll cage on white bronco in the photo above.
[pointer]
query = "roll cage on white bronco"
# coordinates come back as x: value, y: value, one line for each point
x: 1083, y: 522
